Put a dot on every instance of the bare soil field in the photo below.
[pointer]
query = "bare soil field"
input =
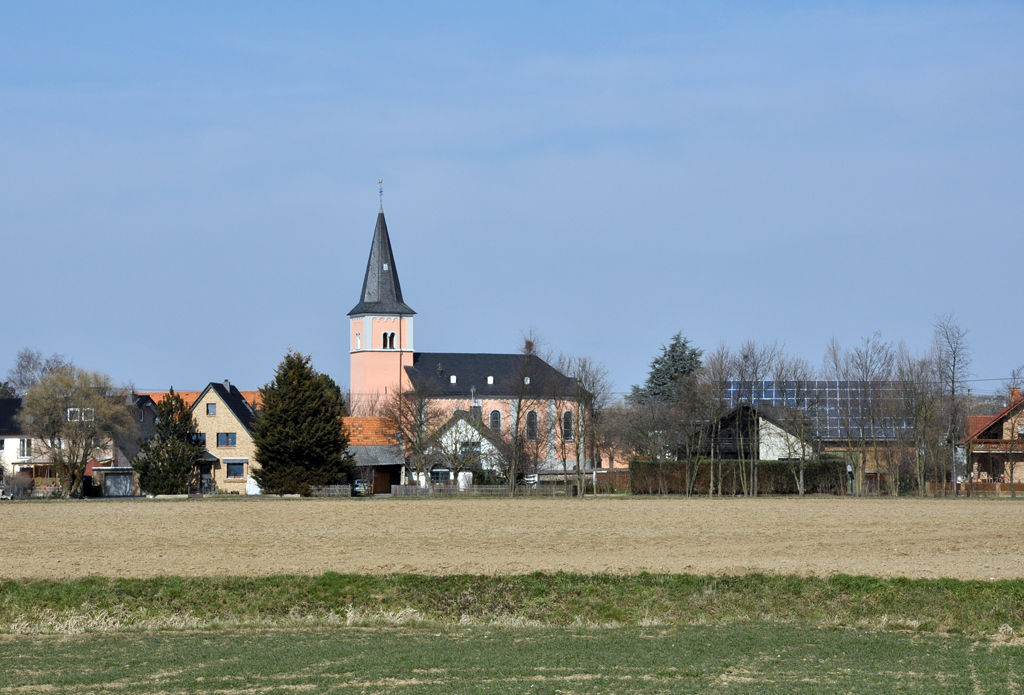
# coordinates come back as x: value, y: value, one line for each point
x: 966, y: 539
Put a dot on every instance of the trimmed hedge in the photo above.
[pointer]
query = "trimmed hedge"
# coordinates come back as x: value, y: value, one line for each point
x: 821, y: 476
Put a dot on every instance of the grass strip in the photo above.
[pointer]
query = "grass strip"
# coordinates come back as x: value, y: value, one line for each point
x: 738, y: 658
x: 107, y: 604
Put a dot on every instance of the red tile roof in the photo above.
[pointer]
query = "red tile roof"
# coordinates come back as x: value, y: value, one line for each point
x: 976, y: 424
x: 190, y: 397
x: 370, y: 431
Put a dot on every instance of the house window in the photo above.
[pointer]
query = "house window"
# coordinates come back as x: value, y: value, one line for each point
x: 2, y: 444
x: 1020, y: 431
x: 526, y: 380
x: 81, y: 414
x: 440, y: 476
x: 225, y: 439
x: 211, y: 408
x: 567, y: 433
x: 359, y: 341
x: 495, y: 420
x: 532, y: 430
x: 236, y: 470
x: 391, y: 341
x: 24, y: 448
x: 453, y: 379
x: 490, y: 381
x: 199, y: 439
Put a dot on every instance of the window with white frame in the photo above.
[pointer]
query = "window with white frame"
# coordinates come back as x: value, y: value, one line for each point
x: 567, y: 423
x: 25, y: 448
x: 81, y: 414
x: 532, y: 430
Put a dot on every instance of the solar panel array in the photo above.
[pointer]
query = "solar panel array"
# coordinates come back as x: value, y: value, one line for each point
x: 837, y: 409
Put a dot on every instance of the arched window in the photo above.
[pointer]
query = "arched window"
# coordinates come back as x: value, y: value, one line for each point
x: 567, y: 426
x: 392, y: 343
x: 532, y: 430
x: 496, y: 420
x: 389, y: 341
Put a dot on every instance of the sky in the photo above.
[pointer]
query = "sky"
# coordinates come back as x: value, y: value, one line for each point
x: 189, y: 190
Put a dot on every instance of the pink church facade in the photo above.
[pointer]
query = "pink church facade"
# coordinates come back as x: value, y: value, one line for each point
x: 492, y: 387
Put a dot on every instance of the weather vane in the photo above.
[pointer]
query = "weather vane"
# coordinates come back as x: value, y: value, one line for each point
x: 380, y: 182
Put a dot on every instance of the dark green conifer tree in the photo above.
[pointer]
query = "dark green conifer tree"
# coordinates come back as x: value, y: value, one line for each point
x: 168, y: 461
x: 677, y: 359
x: 300, y: 439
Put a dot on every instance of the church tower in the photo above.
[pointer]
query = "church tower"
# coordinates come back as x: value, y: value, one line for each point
x: 380, y: 327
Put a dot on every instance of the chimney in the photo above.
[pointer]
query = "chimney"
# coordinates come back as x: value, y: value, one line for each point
x: 227, y: 384
x: 1014, y: 395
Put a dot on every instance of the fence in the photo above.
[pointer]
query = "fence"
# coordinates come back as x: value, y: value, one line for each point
x: 975, y: 489
x: 332, y: 491
x: 479, y: 491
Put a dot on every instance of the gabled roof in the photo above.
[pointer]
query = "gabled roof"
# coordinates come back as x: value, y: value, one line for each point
x: 233, y: 399
x: 253, y: 398
x: 431, y: 372
x: 9, y: 409
x: 976, y: 425
x: 474, y: 422
x: 382, y: 293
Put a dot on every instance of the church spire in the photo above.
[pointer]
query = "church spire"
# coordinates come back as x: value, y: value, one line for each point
x: 382, y: 293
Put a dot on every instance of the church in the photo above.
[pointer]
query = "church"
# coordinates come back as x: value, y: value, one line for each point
x: 499, y: 405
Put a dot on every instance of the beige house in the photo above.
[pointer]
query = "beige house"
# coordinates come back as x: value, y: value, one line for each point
x: 224, y: 422
x: 994, y: 446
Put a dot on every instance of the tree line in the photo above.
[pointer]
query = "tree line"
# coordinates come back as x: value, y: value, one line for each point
x: 900, y: 413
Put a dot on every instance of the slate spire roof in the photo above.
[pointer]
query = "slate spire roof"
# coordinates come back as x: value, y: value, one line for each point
x: 382, y: 293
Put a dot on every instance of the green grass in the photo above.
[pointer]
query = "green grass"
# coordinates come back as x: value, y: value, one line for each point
x: 973, y: 608
x: 737, y: 658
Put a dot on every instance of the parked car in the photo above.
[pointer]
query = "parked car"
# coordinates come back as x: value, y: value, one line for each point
x: 362, y: 488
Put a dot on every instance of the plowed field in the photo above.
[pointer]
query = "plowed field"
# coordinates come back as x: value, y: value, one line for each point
x: 964, y: 539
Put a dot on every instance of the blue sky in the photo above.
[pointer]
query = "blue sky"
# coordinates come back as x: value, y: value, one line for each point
x: 188, y: 190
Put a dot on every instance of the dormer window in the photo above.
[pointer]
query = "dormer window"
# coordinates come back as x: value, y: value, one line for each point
x: 526, y: 380
x: 385, y: 266
x: 490, y: 381
x: 453, y: 379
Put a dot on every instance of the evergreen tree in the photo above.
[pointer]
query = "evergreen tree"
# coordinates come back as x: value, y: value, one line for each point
x: 677, y: 359
x: 300, y: 441
x: 168, y: 461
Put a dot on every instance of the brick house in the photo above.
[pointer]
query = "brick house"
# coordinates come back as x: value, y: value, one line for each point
x: 994, y: 445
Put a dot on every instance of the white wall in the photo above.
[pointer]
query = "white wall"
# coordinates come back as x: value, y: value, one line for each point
x: 776, y: 443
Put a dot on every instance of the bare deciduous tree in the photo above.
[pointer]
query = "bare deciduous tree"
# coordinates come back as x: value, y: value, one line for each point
x: 415, y: 418
x: 796, y: 380
x: 1013, y: 429
x: 30, y: 366
x: 953, y: 364
x: 78, y: 415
